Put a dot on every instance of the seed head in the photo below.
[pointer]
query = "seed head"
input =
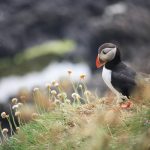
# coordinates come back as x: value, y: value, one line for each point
x: 53, y: 83
x: 76, y: 96
x: 36, y: 89
x: 57, y: 102
x: 17, y: 113
x: 14, y: 100
x: 87, y: 93
x: 59, y: 96
x: 17, y: 129
x: 3, y: 115
x: 20, y: 105
x: 53, y: 92
x: 15, y: 106
x: 82, y: 76
x: 62, y: 96
x: 5, y: 131
x: 80, y: 86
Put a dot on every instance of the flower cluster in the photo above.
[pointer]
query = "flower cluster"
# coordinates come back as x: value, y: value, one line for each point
x: 4, y: 115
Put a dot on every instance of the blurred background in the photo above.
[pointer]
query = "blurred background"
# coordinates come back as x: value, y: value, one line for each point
x: 41, y: 39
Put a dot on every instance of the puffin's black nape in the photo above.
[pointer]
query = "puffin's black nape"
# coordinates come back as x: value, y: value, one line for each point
x: 115, y: 61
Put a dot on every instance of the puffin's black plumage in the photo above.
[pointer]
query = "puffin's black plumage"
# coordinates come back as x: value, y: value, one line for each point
x: 122, y: 77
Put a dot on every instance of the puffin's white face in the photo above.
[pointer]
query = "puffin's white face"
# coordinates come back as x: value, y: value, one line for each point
x: 107, y: 54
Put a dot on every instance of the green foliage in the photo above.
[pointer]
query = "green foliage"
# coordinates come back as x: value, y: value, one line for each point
x: 36, y: 57
x: 133, y: 129
x: 51, y: 131
x: 49, y: 48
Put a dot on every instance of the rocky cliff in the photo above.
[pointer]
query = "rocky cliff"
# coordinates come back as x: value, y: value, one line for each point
x: 24, y: 23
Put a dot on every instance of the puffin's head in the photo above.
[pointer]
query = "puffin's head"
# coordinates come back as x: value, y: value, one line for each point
x: 106, y: 53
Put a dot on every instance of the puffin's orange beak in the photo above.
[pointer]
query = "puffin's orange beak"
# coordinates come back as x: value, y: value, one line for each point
x: 98, y: 63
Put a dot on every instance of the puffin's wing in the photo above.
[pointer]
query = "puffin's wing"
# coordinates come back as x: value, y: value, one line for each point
x: 123, y: 82
x: 123, y: 74
x: 123, y: 79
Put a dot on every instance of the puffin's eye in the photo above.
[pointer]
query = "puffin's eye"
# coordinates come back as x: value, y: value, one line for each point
x: 104, y: 52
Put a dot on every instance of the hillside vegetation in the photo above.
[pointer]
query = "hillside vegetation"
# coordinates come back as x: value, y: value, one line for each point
x: 79, y: 121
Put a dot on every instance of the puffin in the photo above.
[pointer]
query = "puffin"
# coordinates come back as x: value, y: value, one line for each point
x: 120, y: 78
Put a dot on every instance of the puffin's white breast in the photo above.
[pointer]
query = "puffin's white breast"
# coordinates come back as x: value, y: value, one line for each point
x: 106, y: 75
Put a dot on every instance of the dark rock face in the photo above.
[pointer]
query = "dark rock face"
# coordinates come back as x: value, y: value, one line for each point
x: 130, y: 31
x: 24, y: 23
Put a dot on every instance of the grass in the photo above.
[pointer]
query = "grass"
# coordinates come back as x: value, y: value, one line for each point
x: 63, y: 123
